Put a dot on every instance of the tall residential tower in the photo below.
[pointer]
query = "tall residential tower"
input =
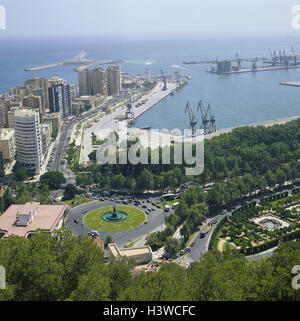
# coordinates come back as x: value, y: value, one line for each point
x: 28, y: 139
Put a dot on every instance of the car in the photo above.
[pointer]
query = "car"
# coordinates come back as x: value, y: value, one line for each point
x: 94, y: 233
x: 182, y: 252
x: 153, y: 209
x: 76, y: 221
x: 144, y: 206
x: 193, y: 244
x: 188, y: 249
x: 224, y: 212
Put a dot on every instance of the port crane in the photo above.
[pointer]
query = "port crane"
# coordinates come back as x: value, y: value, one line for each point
x: 208, y: 119
x: 205, y: 118
x: 165, y: 87
x: 192, y: 118
x: 212, y: 119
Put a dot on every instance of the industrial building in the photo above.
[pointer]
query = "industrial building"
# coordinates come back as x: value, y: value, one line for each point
x: 223, y: 66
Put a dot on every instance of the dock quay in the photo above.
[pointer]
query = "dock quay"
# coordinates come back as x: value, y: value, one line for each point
x: 290, y: 83
x: 258, y: 69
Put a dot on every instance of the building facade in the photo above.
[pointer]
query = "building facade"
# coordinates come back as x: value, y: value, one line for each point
x: 4, y: 108
x: 114, y: 81
x: 54, y: 119
x: 7, y: 144
x: 33, y: 102
x: 60, y: 97
x: 92, y: 82
x: 28, y: 139
x: 40, y: 84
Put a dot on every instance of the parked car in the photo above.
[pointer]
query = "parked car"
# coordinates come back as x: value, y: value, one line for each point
x: 193, y: 244
x: 188, y: 249
x: 76, y: 221
x: 94, y: 233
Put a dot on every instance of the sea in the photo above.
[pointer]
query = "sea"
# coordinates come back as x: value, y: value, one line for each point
x: 237, y: 99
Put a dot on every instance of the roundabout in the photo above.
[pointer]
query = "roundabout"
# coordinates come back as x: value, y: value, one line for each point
x: 114, y: 218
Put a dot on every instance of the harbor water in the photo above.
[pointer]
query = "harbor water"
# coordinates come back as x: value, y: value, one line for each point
x: 236, y: 99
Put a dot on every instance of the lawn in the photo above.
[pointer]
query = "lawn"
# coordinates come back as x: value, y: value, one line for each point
x: 135, y: 217
x: 78, y: 200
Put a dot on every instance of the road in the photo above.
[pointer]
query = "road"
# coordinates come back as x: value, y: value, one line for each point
x: 122, y: 238
x: 111, y: 122
x: 202, y: 245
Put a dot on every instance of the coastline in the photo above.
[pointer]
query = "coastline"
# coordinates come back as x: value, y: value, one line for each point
x: 266, y: 123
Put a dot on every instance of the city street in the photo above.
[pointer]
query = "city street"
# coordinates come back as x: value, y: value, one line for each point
x: 122, y: 238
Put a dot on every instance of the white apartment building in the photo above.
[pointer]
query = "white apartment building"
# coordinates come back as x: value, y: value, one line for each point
x: 28, y: 139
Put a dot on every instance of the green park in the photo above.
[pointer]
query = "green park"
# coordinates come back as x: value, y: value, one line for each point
x: 95, y: 219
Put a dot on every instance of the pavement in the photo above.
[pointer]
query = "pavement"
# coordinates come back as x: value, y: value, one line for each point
x: 112, y: 122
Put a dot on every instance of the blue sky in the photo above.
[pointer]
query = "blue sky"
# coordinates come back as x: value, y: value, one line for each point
x: 122, y: 17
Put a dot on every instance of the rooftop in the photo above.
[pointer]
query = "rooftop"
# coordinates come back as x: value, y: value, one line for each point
x: 6, y: 133
x: 129, y: 251
x: 46, y: 218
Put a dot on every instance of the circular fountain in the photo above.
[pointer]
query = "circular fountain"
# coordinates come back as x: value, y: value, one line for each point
x: 114, y: 216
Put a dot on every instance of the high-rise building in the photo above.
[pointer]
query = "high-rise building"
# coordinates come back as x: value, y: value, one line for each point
x: 92, y: 82
x: 33, y: 102
x: 40, y: 83
x: 74, y: 91
x: 83, y: 80
x: 20, y: 91
x: 99, y: 81
x: 60, y: 97
x: 114, y: 80
x: 4, y: 108
x: 28, y: 139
